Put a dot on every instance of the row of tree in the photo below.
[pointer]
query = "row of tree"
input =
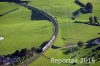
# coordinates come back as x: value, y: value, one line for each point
x: 93, y: 21
x: 17, y: 57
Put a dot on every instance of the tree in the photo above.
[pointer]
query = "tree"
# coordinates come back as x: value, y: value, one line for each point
x: 90, y: 20
x: 80, y: 43
x: 96, y: 20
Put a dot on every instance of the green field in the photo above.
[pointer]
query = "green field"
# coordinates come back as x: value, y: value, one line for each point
x: 20, y: 31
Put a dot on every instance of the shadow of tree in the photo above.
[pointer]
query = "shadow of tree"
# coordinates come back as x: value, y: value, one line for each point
x: 86, y: 23
x: 15, y: 1
x: 35, y: 15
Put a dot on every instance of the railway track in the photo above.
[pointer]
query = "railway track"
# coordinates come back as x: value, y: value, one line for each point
x: 48, y: 45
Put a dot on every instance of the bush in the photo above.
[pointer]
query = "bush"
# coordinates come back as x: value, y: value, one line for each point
x: 80, y: 43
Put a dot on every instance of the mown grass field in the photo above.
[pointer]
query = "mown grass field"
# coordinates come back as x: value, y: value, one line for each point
x: 69, y: 32
x: 58, y: 54
x: 20, y: 32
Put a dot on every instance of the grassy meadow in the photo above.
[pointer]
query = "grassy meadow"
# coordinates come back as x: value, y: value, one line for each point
x: 20, y: 31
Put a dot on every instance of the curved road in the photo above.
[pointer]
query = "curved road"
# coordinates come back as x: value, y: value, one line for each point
x: 48, y: 45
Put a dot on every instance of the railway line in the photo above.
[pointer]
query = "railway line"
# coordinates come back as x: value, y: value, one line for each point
x: 50, y: 42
